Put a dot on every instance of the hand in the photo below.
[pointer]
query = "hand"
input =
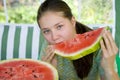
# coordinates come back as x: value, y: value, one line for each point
x: 50, y: 55
x: 109, y: 51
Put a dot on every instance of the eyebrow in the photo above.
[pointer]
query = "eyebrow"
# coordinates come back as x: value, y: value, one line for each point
x: 53, y: 25
x: 57, y: 23
x: 44, y: 28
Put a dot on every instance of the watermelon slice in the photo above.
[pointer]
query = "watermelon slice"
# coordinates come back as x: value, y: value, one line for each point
x: 27, y: 69
x: 81, y: 45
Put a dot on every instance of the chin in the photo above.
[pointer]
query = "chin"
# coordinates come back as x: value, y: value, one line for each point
x: 51, y: 43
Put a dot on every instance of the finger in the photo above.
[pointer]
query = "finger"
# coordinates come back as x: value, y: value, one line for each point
x: 107, y: 44
x: 48, y: 48
x: 112, y: 42
x: 51, y: 57
x: 50, y: 54
x: 44, y: 55
x: 103, y: 48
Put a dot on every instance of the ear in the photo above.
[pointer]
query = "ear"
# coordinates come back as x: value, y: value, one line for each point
x: 73, y: 21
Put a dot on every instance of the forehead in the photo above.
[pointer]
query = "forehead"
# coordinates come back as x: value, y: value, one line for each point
x: 51, y: 18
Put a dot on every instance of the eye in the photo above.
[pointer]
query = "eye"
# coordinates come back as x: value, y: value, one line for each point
x: 46, y: 31
x: 59, y: 27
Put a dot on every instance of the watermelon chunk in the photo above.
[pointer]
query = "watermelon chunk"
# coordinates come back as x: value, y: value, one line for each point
x: 81, y: 45
x: 27, y: 69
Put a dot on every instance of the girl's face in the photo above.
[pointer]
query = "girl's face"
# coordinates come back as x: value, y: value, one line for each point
x: 57, y: 28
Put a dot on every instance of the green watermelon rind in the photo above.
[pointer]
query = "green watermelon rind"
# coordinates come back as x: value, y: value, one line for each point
x: 54, y: 70
x: 95, y: 46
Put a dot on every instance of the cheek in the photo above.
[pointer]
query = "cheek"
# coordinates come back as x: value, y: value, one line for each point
x: 49, y: 39
x: 46, y: 37
x: 69, y: 31
x: 68, y: 34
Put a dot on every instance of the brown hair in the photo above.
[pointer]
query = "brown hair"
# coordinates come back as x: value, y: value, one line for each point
x: 54, y: 5
x: 82, y: 65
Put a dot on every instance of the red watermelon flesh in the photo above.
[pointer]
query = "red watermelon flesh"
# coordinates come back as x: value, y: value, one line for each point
x: 26, y: 69
x: 81, y: 45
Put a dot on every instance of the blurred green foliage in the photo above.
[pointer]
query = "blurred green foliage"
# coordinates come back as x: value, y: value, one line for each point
x: 97, y: 11
x: 2, y: 15
x: 92, y: 12
x: 22, y: 14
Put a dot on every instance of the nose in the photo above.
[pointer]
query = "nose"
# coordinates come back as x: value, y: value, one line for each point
x: 54, y: 36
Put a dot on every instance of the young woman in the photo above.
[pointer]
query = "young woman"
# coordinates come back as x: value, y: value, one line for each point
x: 58, y: 24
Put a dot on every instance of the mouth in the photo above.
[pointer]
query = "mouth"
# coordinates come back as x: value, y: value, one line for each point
x: 56, y: 42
